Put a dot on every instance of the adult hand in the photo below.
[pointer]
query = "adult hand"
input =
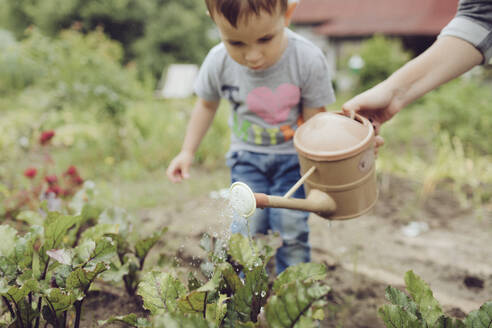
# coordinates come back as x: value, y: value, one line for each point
x: 179, y: 168
x: 378, y: 104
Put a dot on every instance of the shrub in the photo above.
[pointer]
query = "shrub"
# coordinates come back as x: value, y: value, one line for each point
x: 153, y: 33
x: 382, y: 56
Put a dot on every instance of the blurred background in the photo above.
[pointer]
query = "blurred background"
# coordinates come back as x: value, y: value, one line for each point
x: 102, y: 76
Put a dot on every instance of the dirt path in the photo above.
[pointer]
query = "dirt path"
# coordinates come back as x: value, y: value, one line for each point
x: 452, y: 251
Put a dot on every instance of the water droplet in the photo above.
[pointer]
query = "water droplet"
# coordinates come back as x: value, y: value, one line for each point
x: 263, y: 293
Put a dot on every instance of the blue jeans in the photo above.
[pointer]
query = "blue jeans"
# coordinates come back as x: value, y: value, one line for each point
x: 273, y: 174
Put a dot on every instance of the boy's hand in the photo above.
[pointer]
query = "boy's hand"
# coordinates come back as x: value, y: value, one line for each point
x: 179, y: 168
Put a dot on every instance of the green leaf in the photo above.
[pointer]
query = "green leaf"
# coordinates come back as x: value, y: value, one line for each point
x: 422, y: 294
x: 84, y: 250
x: 115, y: 272
x: 56, y: 226
x: 8, y: 235
x: 160, y: 291
x: 130, y: 319
x: 8, y: 268
x: 206, y: 243
x: 447, y: 322
x: 16, y: 294
x: 6, y: 320
x: 122, y: 245
x: 217, y: 311
x: 31, y: 217
x: 243, y: 250
x: 20, y: 256
x: 194, y: 302
x: 82, y: 279
x: 292, y: 302
x: 60, y: 275
x: 213, y: 284
x: 24, y: 249
x: 398, y: 297
x: 231, y: 279
x: 177, y: 320
x: 301, y: 272
x: 117, y: 216
x: 63, y: 256
x: 98, y: 231
x: 57, y: 302
x: 394, y: 316
x: 306, y: 322
x: 249, y: 299
x: 142, y: 247
x: 193, y: 282
x: 481, y: 318
x: 104, y: 252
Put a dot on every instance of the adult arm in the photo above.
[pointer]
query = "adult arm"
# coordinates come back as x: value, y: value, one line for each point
x: 446, y: 59
x: 465, y: 42
x: 201, y: 118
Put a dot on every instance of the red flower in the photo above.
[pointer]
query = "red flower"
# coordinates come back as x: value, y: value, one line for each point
x: 30, y: 173
x: 71, y: 171
x: 54, y: 189
x: 51, y: 179
x: 78, y: 180
x: 46, y: 137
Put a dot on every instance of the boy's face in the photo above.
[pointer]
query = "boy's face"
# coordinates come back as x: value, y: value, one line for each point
x: 258, y: 42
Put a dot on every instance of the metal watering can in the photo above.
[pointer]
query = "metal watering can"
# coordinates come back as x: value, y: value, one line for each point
x: 336, y: 155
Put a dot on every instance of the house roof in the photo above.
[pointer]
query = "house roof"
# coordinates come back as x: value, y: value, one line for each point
x: 366, y: 17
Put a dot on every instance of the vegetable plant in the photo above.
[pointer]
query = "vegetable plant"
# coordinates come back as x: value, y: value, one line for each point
x: 238, y: 294
x: 422, y: 310
x: 131, y: 248
x: 40, y: 277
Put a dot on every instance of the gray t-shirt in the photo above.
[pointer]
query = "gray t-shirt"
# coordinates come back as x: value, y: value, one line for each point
x: 473, y: 23
x: 266, y: 106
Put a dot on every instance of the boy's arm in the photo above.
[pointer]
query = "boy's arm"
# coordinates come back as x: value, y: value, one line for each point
x: 200, y: 120
x: 308, y: 112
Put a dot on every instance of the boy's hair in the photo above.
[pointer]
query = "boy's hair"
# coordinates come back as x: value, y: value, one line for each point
x: 233, y: 10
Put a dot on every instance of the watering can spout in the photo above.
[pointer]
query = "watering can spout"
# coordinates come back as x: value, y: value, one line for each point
x: 317, y: 202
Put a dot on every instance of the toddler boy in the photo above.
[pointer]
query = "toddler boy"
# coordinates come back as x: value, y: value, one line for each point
x: 274, y: 80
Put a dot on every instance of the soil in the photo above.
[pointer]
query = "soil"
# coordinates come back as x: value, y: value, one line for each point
x: 449, y: 248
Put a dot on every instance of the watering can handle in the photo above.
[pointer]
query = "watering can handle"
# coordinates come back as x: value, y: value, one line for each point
x: 293, y: 189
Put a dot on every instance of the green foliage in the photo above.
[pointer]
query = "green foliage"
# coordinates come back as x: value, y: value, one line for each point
x: 444, y: 138
x: 154, y: 33
x: 131, y: 258
x: 228, y: 301
x: 382, y: 56
x: 462, y: 109
x: 480, y: 318
x: 423, y: 311
x: 73, y: 71
x: 42, y: 278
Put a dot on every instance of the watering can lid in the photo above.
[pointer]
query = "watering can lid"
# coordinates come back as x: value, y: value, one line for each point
x: 333, y: 136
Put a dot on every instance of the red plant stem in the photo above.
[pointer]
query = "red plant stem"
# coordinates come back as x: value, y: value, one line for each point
x: 12, y: 313
x: 78, y: 311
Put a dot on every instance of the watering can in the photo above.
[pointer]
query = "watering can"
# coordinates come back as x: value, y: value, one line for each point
x: 336, y: 156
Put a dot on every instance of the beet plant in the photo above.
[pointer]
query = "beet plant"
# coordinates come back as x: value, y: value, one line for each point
x: 131, y: 257
x: 422, y: 310
x: 43, y: 277
x: 131, y: 248
x: 238, y: 294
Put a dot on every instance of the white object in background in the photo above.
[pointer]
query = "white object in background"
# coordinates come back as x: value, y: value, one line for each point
x: 414, y: 228
x: 178, y: 82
